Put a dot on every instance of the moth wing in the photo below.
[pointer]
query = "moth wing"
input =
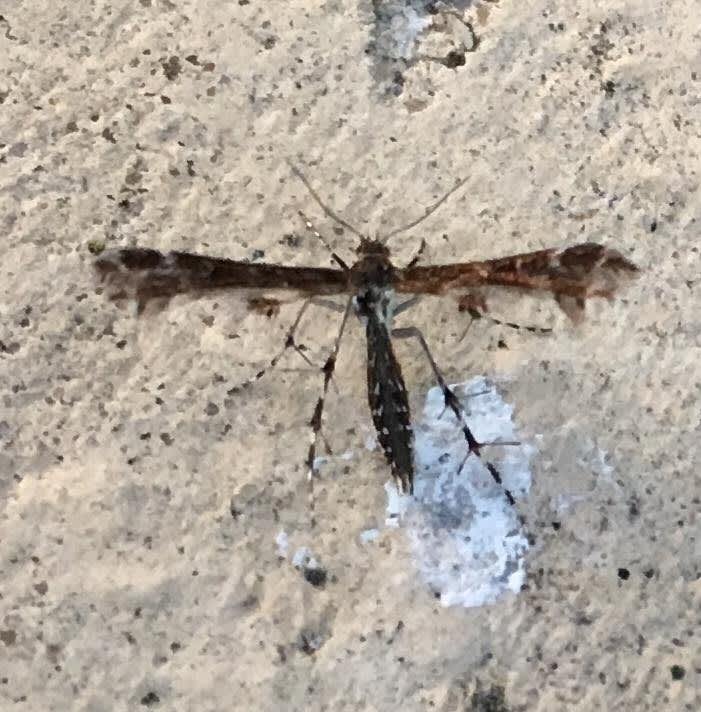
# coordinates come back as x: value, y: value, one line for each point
x: 145, y: 275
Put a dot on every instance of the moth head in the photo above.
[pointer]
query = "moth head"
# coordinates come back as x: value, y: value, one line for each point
x: 368, y: 247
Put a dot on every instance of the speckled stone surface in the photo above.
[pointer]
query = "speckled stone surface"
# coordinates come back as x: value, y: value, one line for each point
x: 141, y: 501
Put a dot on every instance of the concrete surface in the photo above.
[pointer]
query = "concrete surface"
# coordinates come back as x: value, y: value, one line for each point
x: 141, y: 502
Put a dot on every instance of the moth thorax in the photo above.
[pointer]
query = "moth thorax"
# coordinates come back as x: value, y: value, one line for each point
x: 378, y: 302
x: 373, y: 270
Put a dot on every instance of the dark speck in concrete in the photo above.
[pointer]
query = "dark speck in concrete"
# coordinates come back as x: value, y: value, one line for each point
x: 150, y: 699
x: 488, y: 700
x: 677, y: 672
x: 315, y: 576
x: 17, y: 149
x: 454, y: 59
x: 211, y: 408
x: 8, y: 637
x: 171, y: 68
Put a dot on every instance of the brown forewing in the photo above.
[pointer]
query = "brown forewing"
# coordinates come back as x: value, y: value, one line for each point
x: 572, y: 274
x: 149, y: 274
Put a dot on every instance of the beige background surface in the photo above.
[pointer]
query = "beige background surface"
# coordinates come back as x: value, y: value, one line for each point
x: 125, y: 581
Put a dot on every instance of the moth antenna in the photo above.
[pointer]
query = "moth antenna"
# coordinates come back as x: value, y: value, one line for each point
x: 329, y: 212
x: 427, y: 212
x: 310, y: 226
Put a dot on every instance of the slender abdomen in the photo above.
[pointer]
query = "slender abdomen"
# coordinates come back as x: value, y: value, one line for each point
x: 389, y: 404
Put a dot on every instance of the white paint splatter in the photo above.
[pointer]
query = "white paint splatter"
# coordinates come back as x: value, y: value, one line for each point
x: 304, y: 559
x: 467, y: 541
x: 283, y: 544
x: 606, y: 471
x: 369, y: 535
x: 406, y: 26
x: 371, y: 441
x: 321, y: 460
x: 399, y: 26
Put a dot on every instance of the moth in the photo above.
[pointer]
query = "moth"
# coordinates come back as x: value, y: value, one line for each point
x: 376, y: 290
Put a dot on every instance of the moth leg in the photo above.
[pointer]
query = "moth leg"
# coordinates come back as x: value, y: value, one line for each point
x: 289, y: 343
x: 453, y: 402
x: 476, y: 307
x: 334, y: 307
x: 408, y: 304
x: 327, y: 304
x: 316, y: 420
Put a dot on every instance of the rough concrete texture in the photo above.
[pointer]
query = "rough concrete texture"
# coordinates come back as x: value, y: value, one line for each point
x: 141, y: 502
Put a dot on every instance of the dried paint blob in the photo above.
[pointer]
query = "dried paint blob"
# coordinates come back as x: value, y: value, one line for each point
x: 467, y: 541
x: 398, y: 27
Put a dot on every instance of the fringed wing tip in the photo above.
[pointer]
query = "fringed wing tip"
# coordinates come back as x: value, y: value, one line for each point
x: 135, y: 273
x: 602, y: 271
